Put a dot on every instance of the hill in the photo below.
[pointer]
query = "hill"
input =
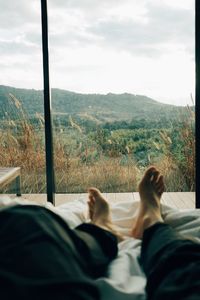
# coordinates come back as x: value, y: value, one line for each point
x: 97, y: 107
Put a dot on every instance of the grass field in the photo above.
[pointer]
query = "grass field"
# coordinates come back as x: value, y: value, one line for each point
x: 112, y: 161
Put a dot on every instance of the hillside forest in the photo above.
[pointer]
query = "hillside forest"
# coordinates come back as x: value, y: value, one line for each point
x: 106, y: 141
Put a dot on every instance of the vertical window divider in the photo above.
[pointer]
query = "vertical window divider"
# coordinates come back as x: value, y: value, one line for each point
x: 197, y: 99
x: 50, y: 179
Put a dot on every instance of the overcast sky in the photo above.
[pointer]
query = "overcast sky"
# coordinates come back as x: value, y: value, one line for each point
x: 100, y: 46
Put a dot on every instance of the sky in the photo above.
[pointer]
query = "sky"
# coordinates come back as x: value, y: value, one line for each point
x: 143, y: 47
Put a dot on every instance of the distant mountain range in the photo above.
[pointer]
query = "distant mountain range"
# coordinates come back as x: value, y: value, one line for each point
x: 98, y: 107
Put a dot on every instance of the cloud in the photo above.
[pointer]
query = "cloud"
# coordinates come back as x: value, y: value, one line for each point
x: 99, y: 45
x: 19, y: 21
x: 17, y: 14
x: 18, y: 47
x: 76, y: 23
x: 148, y: 29
x: 86, y: 6
x: 164, y: 25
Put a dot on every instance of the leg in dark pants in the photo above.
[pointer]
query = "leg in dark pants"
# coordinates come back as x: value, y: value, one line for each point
x: 42, y: 258
x: 171, y: 263
x: 98, y: 248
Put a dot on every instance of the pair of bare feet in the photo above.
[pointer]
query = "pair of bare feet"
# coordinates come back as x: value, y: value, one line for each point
x: 150, y: 187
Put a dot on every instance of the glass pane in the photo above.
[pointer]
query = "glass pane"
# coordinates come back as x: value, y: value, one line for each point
x: 122, y: 74
x: 21, y: 98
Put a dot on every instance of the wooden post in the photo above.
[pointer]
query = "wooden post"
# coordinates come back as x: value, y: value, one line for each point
x: 18, y: 186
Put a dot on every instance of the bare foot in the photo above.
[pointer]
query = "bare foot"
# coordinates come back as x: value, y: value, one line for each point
x: 151, y: 188
x: 99, y: 212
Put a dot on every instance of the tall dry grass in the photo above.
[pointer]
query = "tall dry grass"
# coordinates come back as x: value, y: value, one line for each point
x: 178, y: 167
x: 106, y: 174
x: 22, y: 145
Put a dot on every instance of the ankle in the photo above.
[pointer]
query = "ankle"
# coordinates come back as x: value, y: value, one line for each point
x: 150, y: 219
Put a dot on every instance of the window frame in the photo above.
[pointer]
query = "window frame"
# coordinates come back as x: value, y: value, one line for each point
x: 197, y: 99
x: 50, y: 176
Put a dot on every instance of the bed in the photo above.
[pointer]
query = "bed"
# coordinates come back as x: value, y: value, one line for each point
x: 125, y: 279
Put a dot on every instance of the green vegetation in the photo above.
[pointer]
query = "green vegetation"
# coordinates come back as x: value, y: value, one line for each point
x: 99, y: 140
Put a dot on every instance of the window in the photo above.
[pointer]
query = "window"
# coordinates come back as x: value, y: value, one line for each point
x: 122, y: 74
x: 122, y: 78
x: 21, y: 98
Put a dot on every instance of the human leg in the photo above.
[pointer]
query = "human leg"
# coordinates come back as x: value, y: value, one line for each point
x: 151, y: 188
x: 171, y: 262
x: 43, y: 255
x: 100, y: 214
x: 100, y: 235
x: 39, y: 257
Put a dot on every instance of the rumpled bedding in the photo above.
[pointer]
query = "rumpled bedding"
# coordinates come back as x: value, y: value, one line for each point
x: 125, y: 279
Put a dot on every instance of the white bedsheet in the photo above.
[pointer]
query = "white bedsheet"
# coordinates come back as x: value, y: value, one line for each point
x: 125, y: 279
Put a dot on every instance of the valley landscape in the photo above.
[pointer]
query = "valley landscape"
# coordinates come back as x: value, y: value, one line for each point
x: 105, y: 141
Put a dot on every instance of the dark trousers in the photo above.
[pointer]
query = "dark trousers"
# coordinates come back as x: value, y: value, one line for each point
x: 42, y: 258
x: 171, y: 264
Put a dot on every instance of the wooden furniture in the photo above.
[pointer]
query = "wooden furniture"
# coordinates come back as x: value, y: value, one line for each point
x: 8, y: 175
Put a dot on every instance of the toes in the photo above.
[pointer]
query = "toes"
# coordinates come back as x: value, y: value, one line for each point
x: 91, y: 198
x: 94, y: 192
x: 90, y: 205
x: 160, y: 181
x: 149, y: 172
x: 162, y: 189
x: 155, y: 176
x: 160, y: 185
x: 90, y: 209
x: 96, y: 195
